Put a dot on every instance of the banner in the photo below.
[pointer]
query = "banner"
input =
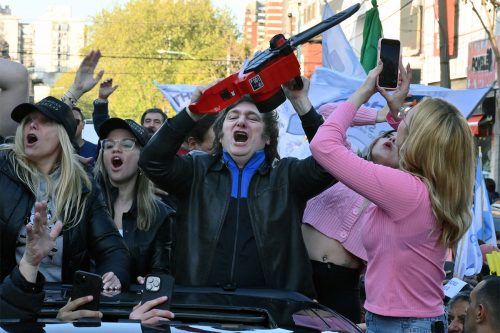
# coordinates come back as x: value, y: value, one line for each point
x: 329, y: 86
x: 178, y: 95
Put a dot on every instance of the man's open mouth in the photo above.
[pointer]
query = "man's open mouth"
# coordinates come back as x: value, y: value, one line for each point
x: 240, y: 136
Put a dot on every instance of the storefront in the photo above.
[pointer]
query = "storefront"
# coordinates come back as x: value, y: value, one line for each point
x: 481, y: 72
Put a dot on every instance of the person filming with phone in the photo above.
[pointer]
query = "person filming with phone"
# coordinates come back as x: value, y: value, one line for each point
x: 417, y: 211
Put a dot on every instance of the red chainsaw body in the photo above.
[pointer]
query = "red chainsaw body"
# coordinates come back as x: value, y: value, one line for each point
x: 259, y: 85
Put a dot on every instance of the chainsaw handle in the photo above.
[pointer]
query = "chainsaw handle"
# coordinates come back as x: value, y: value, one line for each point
x: 298, y: 84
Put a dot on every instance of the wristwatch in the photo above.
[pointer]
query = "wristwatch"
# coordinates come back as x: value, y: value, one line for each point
x: 403, y: 110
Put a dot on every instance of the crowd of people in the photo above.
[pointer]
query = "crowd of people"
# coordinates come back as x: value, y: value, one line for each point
x: 209, y: 200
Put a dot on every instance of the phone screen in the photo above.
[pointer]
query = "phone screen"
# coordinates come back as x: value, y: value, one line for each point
x: 389, y: 55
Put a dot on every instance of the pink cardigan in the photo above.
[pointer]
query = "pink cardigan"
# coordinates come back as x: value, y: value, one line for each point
x: 405, y: 258
x: 338, y: 211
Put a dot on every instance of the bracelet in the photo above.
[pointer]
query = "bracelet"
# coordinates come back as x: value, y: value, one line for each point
x: 403, y: 110
x: 71, y: 93
x: 68, y: 100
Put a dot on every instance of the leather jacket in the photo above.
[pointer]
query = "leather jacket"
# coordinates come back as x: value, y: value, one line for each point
x: 277, y: 196
x: 150, y: 250
x: 94, y: 237
x: 20, y: 299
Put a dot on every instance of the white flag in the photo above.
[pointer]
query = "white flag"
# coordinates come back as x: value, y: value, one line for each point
x: 484, y: 226
x: 179, y: 95
x: 469, y: 259
x: 337, y: 52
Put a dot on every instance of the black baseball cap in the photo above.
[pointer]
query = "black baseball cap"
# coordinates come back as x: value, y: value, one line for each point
x: 51, y: 108
x: 139, y: 132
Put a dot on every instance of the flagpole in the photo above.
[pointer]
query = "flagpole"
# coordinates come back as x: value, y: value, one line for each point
x: 482, y: 192
x: 457, y: 269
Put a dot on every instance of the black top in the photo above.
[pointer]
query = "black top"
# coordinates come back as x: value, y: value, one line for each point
x: 150, y: 250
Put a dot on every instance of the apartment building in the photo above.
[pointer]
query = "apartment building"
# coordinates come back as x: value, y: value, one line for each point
x: 9, y: 33
x: 57, y: 41
x: 47, y: 46
x: 263, y: 20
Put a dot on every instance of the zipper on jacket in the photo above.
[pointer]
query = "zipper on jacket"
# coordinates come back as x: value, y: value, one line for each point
x: 232, y: 283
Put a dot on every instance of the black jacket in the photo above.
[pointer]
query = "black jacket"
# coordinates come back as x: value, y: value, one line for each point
x: 19, y: 298
x: 95, y: 236
x: 277, y: 196
x: 151, y: 250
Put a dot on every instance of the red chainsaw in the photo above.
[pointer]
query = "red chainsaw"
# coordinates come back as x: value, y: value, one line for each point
x: 263, y: 75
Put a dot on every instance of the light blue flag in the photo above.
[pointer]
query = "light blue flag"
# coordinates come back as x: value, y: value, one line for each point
x: 469, y: 260
x: 484, y: 225
x: 337, y: 52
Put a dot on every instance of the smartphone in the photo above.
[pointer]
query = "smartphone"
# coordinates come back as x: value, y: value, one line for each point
x: 157, y: 285
x: 389, y: 51
x: 85, y: 284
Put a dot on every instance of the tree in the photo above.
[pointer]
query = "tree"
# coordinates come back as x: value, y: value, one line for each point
x: 168, y: 41
x: 486, y: 12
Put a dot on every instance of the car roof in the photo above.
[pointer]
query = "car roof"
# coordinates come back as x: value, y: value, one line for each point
x: 200, y: 309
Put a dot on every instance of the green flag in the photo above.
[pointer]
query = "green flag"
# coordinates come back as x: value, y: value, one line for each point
x: 372, y: 32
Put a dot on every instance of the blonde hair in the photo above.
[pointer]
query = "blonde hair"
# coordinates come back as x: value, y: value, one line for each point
x: 147, y: 207
x: 67, y: 191
x: 440, y: 150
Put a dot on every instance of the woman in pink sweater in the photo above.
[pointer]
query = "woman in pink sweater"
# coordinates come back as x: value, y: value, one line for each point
x: 332, y: 225
x: 416, y: 211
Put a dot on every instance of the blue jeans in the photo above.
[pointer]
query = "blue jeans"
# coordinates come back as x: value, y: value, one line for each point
x: 383, y: 324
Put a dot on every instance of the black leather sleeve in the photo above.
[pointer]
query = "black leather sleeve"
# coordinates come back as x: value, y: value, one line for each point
x: 311, y: 121
x: 20, y: 299
x: 104, y: 241
x: 159, y: 158
x: 99, y: 115
x: 162, y: 253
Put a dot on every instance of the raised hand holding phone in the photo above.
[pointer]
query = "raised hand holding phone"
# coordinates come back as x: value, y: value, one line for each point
x: 397, y: 99
x: 389, y: 53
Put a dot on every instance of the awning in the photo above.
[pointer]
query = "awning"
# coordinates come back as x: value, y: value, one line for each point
x: 478, y: 124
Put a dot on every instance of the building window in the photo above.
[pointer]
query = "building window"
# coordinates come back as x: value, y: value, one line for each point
x: 411, y: 27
